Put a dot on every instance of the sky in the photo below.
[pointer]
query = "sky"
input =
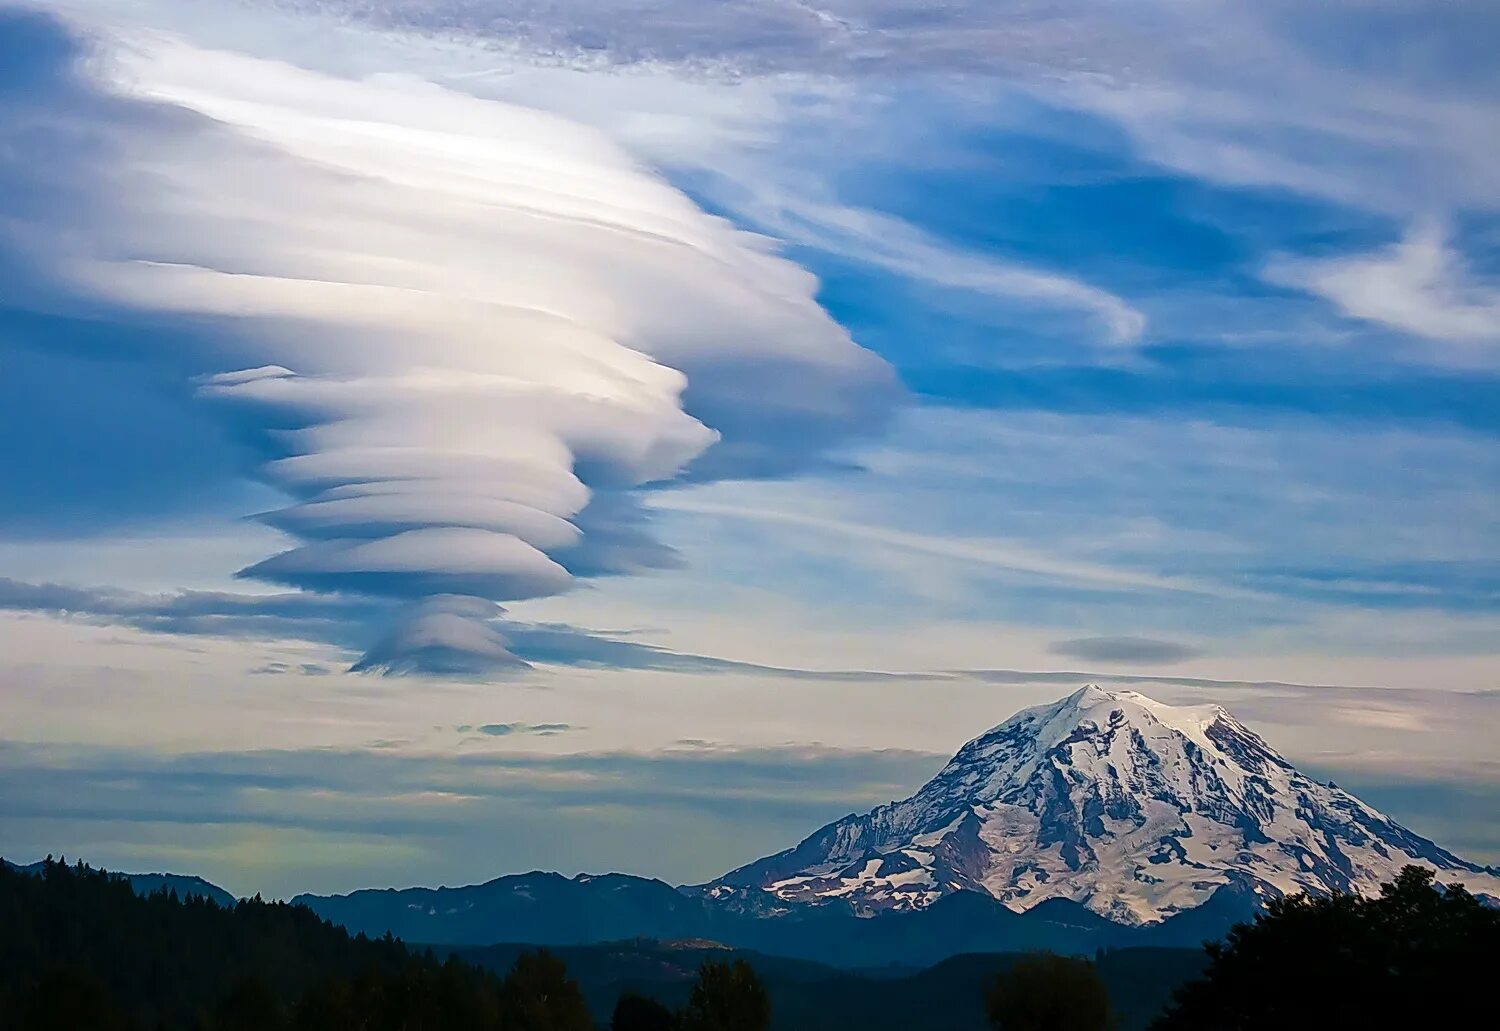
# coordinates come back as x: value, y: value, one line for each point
x: 447, y: 439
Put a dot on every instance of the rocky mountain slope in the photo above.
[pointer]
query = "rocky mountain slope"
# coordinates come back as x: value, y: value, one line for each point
x: 1135, y: 809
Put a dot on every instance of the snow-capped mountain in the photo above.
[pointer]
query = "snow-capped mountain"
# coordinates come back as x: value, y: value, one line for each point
x: 1133, y: 808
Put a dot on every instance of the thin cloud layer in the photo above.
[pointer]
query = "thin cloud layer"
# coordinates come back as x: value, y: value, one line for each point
x: 297, y: 615
x: 458, y: 330
x: 1128, y: 650
x: 497, y: 808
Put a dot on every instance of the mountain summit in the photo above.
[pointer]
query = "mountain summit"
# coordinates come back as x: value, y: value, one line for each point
x: 1136, y: 809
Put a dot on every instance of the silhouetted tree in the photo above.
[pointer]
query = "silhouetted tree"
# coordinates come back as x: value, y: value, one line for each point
x: 249, y: 1005
x: 636, y: 1012
x: 327, y: 1004
x: 727, y: 997
x: 1044, y: 992
x: 66, y: 1000
x: 540, y: 996
x: 1415, y: 956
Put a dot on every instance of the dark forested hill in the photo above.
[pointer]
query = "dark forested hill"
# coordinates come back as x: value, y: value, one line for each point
x: 146, y: 883
x: 79, y: 948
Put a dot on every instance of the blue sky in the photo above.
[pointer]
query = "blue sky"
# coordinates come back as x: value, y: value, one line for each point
x: 1072, y: 342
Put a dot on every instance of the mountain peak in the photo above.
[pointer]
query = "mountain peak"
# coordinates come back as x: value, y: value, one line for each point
x: 1092, y: 711
x: 1087, y: 695
x: 1088, y: 701
x: 1092, y: 702
x: 1133, y: 807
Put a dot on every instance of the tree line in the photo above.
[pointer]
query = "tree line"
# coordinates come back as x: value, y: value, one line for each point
x: 80, y: 949
x: 1415, y: 955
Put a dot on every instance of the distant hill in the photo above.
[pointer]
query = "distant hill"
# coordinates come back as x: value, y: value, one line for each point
x: 546, y: 908
x: 549, y: 909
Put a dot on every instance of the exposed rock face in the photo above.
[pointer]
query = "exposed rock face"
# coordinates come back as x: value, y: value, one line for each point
x: 1135, y: 809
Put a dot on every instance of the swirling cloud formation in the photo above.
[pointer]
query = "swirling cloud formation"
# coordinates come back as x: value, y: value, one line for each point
x: 463, y: 331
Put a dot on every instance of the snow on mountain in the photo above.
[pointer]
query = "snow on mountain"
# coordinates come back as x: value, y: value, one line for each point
x: 1133, y: 808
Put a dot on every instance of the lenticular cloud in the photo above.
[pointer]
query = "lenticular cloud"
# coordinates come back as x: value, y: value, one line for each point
x: 463, y: 330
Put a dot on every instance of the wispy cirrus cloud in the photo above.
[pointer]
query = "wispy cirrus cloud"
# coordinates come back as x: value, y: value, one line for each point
x: 884, y: 241
x: 1004, y: 555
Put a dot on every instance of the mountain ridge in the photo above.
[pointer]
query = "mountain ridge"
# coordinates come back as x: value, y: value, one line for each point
x: 553, y: 910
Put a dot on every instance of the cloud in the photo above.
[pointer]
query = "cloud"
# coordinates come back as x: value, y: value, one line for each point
x: 206, y: 613
x: 895, y: 245
x: 506, y: 729
x: 450, y: 635
x: 1000, y: 554
x: 446, y: 634
x: 1128, y: 650
x: 1368, y: 512
x: 512, y: 645
x: 1023, y: 676
x: 749, y: 36
x: 1418, y: 286
x: 498, y: 804
x: 485, y: 642
x: 1391, y: 106
x: 455, y: 818
x: 306, y: 669
x: 458, y: 331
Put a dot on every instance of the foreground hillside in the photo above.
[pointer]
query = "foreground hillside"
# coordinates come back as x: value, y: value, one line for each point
x: 81, y: 949
x: 949, y: 996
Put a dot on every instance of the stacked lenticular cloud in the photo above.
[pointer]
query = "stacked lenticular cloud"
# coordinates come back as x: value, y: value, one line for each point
x: 462, y: 329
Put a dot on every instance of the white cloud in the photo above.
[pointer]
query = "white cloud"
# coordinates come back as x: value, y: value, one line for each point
x: 1418, y: 286
x: 457, y: 320
x: 1390, y: 106
x: 721, y: 113
x: 443, y: 634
